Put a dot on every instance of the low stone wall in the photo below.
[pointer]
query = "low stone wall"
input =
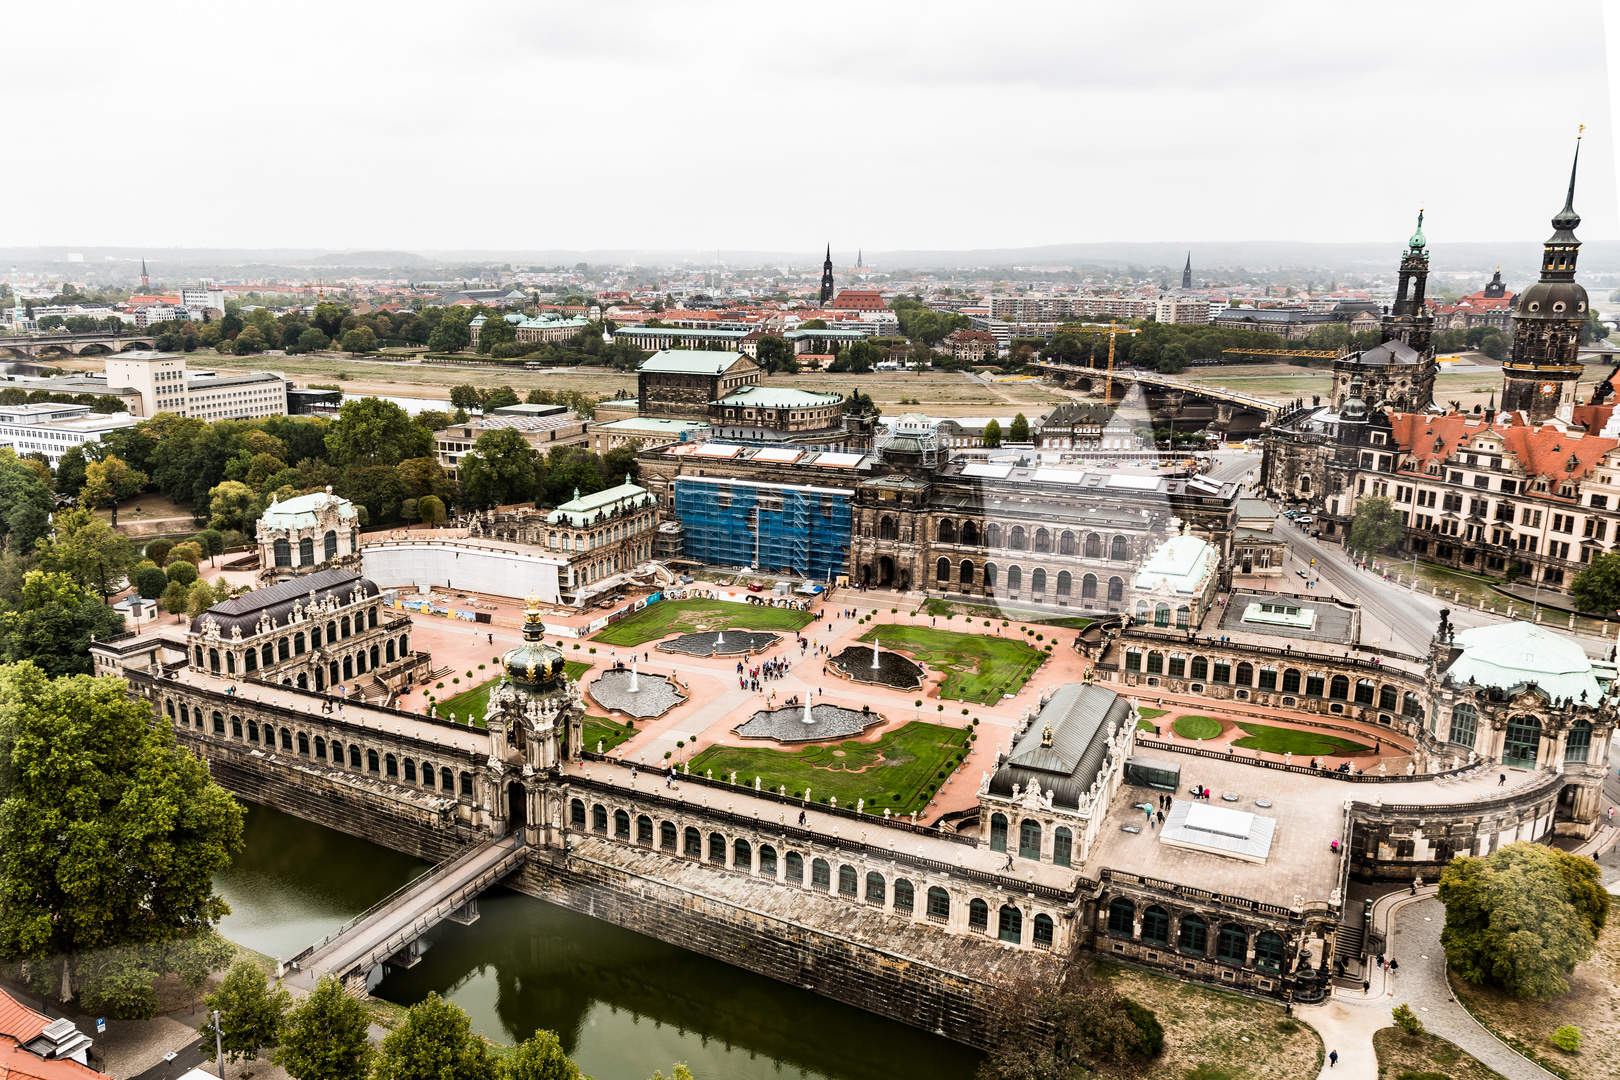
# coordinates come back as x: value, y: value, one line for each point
x: 829, y: 961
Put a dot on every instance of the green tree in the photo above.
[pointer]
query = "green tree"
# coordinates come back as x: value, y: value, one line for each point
x: 1522, y: 918
x: 360, y: 339
x: 434, y: 1042
x: 202, y: 598
x: 122, y: 982
x: 539, y: 1057
x: 375, y: 432
x: 251, y: 340
x: 1597, y: 588
x: 1407, y: 1020
x: 1172, y: 358
x: 87, y: 549
x: 212, y: 542
x: 681, y: 1073
x: 498, y: 398
x: 53, y: 622
x: 113, y: 833
x: 465, y: 396
x: 494, y: 331
x: 26, y: 503
x: 1376, y: 525
x: 452, y: 333
x: 158, y: 551
x: 1018, y: 430
x: 251, y: 1014
x: 70, y: 470
x: 430, y: 509
x: 776, y: 355
x: 150, y: 583
x: 1594, y: 330
x: 182, y: 571
x: 177, y: 596
x: 992, y: 433
x: 312, y: 340
x: 190, y: 551
x: 233, y: 505
x: 324, y: 1037
x: 499, y: 470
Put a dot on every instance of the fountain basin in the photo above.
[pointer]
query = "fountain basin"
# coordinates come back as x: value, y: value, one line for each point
x: 787, y: 724
x: 736, y: 643
x: 854, y: 662
x: 656, y: 696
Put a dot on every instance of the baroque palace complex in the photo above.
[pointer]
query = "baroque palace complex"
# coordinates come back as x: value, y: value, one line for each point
x: 1488, y: 735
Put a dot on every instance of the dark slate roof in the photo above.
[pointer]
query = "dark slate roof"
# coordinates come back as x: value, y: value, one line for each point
x: 1392, y: 352
x: 277, y: 601
x: 1078, y: 715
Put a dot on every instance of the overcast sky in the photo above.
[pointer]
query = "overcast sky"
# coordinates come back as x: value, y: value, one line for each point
x: 771, y: 126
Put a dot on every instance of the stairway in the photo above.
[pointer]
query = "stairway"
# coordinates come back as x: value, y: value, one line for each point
x: 1348, y: 945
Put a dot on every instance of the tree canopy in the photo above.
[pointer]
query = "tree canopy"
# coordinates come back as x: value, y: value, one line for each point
x: 251, y: 1014
x: 1597, y: 588
x: 1377, y: 524
x: 992, y: 433
x: 52, y: 621
x: 1522, y: 917
x: 434, y: 1042
x: 325, y: 1036
x: 499, y: 470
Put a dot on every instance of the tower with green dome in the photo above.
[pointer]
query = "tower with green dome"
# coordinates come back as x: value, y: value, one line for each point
x: 1409, y: 320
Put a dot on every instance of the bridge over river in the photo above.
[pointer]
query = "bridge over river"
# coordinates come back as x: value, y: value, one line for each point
x: 29, y: 345
x: 1173, y: 393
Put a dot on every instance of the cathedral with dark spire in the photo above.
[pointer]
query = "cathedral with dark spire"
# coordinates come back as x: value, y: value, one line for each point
x: 827, y: 277
x: 1186, y: 273
x: 1540, y: 378
x: 145, y: 284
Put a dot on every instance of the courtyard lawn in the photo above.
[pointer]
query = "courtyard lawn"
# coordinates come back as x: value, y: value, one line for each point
x: 978, y: 668
x: 1151, y: 714
x: 1277, y: 740
x: 657, y: 621
x: 608, y: 732
x: 1197, y: 727
x: 475, y: 702
x: 897, y: 773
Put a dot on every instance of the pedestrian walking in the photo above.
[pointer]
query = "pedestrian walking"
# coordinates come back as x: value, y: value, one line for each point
x: 1394, y: 965
x: 1333, y: 1059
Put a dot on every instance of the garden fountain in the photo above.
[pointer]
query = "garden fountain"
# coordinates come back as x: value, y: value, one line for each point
x: 883, y: 668
x: 619, y: 690
x: 813, y: 723
x: 715, y: 643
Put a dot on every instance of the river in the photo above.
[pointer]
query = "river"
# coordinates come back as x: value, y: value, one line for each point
x: 623, y: 1004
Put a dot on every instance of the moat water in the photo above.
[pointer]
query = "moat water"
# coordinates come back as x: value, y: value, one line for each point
x: 623, y: 1004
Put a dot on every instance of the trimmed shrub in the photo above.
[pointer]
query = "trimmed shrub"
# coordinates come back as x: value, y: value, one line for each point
x: 183, y: 572
x: 1407, y: 1020
x: 1567, y: 1038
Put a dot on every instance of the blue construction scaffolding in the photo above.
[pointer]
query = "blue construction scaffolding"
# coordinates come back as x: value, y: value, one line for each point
x: 778, y: 527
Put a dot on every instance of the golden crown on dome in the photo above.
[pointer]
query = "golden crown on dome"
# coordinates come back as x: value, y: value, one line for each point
x: 533, y: 665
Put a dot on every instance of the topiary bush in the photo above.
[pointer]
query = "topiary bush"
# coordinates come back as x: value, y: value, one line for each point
x: 1567, y: 1038
x: 680, y: 742
x: 469, y: 675
x: 439, y: 687
x: 455, y: 680
x: 480, y: 667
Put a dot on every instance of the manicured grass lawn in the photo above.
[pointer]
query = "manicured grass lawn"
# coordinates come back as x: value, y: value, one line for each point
x: 1151, y: 714
x: 978, y: 668
x: 943, y: 608
x: 658, y: 621
x: 1276, y: 740
x: 894, y: 773
x: 1197, y: 727
x: 608, y: 732
x: 475, y: 702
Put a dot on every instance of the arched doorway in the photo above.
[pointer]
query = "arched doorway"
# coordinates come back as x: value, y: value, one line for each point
x: 885, y: 571
x: 517, y: 806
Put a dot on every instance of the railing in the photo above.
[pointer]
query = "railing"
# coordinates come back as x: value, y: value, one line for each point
x: 1536, y: 789
x: 1188, y: 892
x: 811, y: 838
x: 1302, y: 770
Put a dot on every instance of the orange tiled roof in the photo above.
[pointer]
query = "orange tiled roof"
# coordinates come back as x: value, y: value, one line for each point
x: 19, y: 1024
x: 1547, y: 450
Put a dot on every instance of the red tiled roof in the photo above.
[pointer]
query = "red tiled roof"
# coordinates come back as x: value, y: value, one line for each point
x: 19, y: 1021
x: 19, y: 1024
x: 858, y: 300
x: 1541, y: 450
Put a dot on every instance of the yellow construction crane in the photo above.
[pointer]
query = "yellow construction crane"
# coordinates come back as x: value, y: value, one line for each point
x: 1113, y: 330
x: 1329, y: 355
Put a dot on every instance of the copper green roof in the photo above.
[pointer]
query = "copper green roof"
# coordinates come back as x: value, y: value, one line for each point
x: 691, y: 362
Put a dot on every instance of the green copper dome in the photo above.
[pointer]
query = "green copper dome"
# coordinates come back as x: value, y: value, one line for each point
x: 1418, y: 240
x: 533, y: 665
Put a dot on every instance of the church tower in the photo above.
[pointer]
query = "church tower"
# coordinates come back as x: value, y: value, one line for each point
x: 144, y: 284
x: 826, y: 277
x: 1186, y: 273
x: 1541, y: 376
x: 1409, y: 320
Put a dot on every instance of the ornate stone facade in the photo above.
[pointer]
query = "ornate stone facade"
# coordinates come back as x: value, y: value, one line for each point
x: 305, y: 533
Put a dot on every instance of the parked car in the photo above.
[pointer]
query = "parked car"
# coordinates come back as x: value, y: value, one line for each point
x: 754, y: 586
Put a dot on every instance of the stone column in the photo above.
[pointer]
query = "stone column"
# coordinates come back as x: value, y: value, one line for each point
x: 1556, y: 762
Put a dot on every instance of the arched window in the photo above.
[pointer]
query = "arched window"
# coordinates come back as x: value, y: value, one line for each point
x: 970, y: 533
x: 820, y: 875
x: 1177, y: 667
x: 447, y: 780
x: 303, y: 744
x: 1364, y: 691
x: 1037, y: 582
x: 1093, y: 546
x: 428, y: 774
x: 1011, y: 925
x: 1067, y: 544
x: 303, y: 681
x: 1062, y: 847
x: 793, y: 868
x: 373, y: 763
x: 847, y: 884
x: 1269, y: 951
x: 331, y: 544
x: 404, y: 646
x: 1268, y: 677
x: 267, y: 654
x: 348, y: 667
x: 767, y: 860
x: 965, y: 573
x: 1291, y: 681
x: 344, y: 623
x: 942, y: 571
x: 1015, y: 539
x: 644, y: 830
x: 1232, y: 944
x: 250, y: 661
x: 1522, y: 743
x: 694, y: 843
x: 320, y: 748
x: 576, y: 813
x: 947, y: 532
x: 1088, y: 587
x: 717, y: 849
x: 742, y: 854
x: 1043, y: 541
x: 1156, y: 925
x: 1133, y: 659
x: 337, y: 753
x: 1121, y: 917
x: 1155, y: 663
x: 1579, y: 743
x: 877, y: 888
x: 905, y: 895
x: 283, y: 552
x: 886, y: 530
x: 1161, y: 615
x: 390, y: 765
x: 1339, y: 688
x: 998, y: 832
x: 1199, y: 668
x: 389, y: 651
x: 306, y: 551
x: 1194, y: 935
x: 371, y: 618
x: 1183, y: 616
x: 230, y: 663
x: 1043, y: 932
x: 621, y: 825
x: 1141, y: 613
x: 410, y: 771
x: 1222, y: 671
x: 1065, y: 583
x: 599, y: 819
x: 1116, y: 590
x: 1387, y: 698
x: 992, y: 535
x: 1413, y: 706
x: 990, y: 575
x: 668, y: 835
x: 374, y: 658
x: 1120, y: 550
x: 1015, y: 579
x: 978, y: 915
x: 1029, y: 839
x: 1245, y: 674
x: 213, y: 661
x: 939, y: 904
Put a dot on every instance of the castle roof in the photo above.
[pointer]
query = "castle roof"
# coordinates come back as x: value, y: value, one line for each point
x: 277, y: 602
x: 579, y: 511
x: 1508, y: 655
x: 1077, y: 716
x: 304, y: 511
x: 1551, y: 449
x: 1181, y: 564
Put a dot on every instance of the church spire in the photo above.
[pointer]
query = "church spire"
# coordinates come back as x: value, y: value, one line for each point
x: 144, y: 285
x: 1186, y: 273
x: 1568, y: 220
x: 827, y: 277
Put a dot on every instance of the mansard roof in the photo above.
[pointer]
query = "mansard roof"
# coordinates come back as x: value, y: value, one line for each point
x: 1550, y: 449
x: 277, y: 602
x: 1078, y: 716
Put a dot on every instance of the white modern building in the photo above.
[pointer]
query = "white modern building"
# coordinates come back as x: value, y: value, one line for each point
x: 50, y: 429
x: 165, y: 385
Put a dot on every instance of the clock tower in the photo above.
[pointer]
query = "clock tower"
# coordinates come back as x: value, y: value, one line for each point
x: 827, y: 277
x: 1540, y: 378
